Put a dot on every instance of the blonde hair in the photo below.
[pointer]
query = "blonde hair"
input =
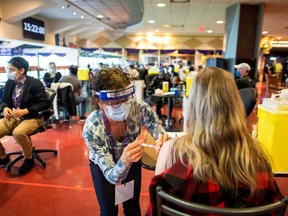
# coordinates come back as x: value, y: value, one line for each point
x: 218, y: 144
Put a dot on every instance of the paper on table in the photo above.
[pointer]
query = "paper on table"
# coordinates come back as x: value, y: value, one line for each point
x: 168, y: 93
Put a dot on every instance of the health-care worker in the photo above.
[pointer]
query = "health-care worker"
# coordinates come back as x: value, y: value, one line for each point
x: 112, y: 135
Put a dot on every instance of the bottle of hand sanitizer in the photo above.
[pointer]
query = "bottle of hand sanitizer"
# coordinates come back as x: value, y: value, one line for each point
x: 184, y: 90
x: 254, y: 132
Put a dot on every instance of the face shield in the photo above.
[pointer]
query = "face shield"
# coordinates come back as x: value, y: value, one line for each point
x: 118, y: 94
x: 117, y: 102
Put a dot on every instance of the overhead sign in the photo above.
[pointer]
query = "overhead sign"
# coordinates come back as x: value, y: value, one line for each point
x: 33, y: 29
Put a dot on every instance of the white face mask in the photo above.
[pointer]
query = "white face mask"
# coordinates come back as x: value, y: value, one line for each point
x: 51, y: 70
x: 119, y: 113
x: 12, y: 76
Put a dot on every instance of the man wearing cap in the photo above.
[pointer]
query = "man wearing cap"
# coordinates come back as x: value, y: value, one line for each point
x: 245, y: 80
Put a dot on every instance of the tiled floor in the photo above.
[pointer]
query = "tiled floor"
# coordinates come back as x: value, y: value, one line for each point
x: 65, y: 187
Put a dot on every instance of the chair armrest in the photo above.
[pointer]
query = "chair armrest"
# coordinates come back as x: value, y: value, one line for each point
x: 45, y: 114
x: 149, y: 91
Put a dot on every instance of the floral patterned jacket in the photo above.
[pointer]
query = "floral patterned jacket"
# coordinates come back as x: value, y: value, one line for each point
x: 97, y: 139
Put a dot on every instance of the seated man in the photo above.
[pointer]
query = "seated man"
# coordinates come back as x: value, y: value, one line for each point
x: 77, y: 88
x: 157, y: 82
x: 245, y: 80
x: 23, y: 98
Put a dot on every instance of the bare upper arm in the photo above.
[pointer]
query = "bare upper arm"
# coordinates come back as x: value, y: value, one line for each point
x: 164, y: 160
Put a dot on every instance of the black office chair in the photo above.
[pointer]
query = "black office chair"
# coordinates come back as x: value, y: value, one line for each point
x: 171, y: 205
x: 66, y: 102
x: 148, y: 90
x: 46, y: 114
x: 249, y: 99
x: 1, y: 93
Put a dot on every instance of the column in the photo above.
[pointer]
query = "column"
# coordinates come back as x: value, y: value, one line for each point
x: 243, y: 29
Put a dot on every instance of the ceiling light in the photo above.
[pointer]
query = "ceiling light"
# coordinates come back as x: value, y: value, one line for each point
x: 74, y: 13
x: 209, y: 31
x: 63, y: 7
x: 82, y: 17
x: 279, y: 43
x: 99, y: 16
x: 151, y: 21
x: 166, y: 26
x: 219, y: 21
x: 177, y: 26
x: 265, y: 32
x: 102, y: 28
x: 156, y: 30
x: 161, y: 5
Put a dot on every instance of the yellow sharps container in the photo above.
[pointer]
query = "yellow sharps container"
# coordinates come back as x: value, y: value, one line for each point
x: 272, y: 133
x: 165, y: 86
x: 189, y: 81
x: 83, y: 74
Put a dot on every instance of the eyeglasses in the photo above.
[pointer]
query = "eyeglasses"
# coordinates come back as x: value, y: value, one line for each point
x: 10, y: 70
x: 117, y: 103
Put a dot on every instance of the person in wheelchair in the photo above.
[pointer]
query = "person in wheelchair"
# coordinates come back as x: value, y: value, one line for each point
x: 217, y: 162
x: 23, y: 98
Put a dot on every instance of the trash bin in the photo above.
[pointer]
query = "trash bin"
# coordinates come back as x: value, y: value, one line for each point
x: 272, y: 133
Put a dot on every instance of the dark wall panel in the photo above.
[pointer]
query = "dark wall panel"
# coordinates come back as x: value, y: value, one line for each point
x: 249, y: 19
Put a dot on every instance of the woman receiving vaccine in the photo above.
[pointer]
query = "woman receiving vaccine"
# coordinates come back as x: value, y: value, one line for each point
x: 112, y: 135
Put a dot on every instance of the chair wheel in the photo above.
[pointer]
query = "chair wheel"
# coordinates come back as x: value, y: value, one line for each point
x: 55, y: 154
x: 7, y: 169
x: 44, y: 164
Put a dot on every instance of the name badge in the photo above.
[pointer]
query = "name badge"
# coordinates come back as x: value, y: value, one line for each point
x: 124, y: 192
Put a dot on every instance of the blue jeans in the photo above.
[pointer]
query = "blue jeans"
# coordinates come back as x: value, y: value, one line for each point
x: 82, y: 101
x: 105, y: 191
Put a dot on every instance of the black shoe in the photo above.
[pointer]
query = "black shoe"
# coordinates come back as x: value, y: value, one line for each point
x: 27, y: 165
x: 66, y: 119
x: 4, y: 162
x: 82, y: 119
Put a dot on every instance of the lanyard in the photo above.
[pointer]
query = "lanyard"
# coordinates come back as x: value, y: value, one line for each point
x: 112, y: 141
x: 17, y: 98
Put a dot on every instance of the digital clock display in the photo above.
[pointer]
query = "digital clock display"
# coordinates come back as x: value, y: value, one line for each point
x: 33, y: 29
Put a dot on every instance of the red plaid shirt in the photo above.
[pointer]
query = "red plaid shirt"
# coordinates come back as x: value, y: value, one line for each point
x: 178, y: 181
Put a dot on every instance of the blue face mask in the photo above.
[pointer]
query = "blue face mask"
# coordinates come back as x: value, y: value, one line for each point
x: 119, y: 113
x: 237, y: 74
x: 11, y: 76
